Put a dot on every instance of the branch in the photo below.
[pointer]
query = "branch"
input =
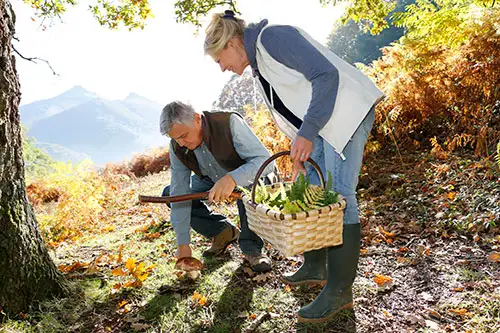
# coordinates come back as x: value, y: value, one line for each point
x: 34, y: 59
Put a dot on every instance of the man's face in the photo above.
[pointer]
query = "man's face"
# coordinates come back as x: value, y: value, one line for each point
x: 189, y: 136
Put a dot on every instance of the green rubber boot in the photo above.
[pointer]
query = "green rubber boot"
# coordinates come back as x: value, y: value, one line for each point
x: 312, y: 271
x: 342, y: 267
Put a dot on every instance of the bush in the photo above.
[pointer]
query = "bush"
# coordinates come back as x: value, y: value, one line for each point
x: 447, y: 94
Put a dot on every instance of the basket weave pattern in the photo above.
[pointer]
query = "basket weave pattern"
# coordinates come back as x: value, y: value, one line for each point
x: 293, y: 234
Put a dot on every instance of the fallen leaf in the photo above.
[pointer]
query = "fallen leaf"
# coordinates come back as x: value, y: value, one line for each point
x: 139, y: 326
x: 458, y: 289
x: 451, y: 195
x: 403, y: 249
x: 434, y: 314
x: 261, y: 277
x: 494, y: 257
x: 130, y: 264
x: 122, y: 303
x: 252, y: 316
x: 382, y: 280
x: 248, y: 271
x: 461, y: 312
x: 287, y: 288
x: 118, y: 272
x: 386, y: 314
x: 385, y: 233
x: 363, y: 252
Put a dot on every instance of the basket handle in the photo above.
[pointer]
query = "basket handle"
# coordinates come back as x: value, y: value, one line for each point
x: 275, y: 156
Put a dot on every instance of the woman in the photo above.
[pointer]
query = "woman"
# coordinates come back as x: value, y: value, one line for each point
x: 326, y: 106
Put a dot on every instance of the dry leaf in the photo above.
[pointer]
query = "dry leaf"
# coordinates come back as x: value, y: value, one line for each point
x: 118, y: 272
x: 139, y: 326
x: 385, y: 233
x: 458, y: 289
x: 202, y: 301
x: 451, y: 195
x: 287, y: 288
x: 248, y: 271
x: 461, y: 312
x: 252, y: 316
x: 261, y: 277
x: 119, y: 260
x: 382, y: 280
x: 363, y: 252
x: 122, y: 303
x: 130, y: 264
x: 494, y: 257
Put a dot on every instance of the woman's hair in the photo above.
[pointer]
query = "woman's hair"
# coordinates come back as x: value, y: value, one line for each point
x: 175, y: 113
x: 221, y: 29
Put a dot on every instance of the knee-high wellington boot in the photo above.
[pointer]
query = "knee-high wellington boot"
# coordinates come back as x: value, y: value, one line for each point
x: 313, y: 270
x: 342, y: 266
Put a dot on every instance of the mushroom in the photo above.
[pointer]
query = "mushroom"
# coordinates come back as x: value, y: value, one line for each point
x: 191, y: 266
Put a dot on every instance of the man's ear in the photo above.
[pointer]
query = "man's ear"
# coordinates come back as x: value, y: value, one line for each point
x: 197, y: 118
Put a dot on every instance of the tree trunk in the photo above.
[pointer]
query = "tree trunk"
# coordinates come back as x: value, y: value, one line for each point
x: 27, y: 273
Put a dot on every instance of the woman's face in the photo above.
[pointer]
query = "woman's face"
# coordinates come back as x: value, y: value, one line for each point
x: 233, y: 57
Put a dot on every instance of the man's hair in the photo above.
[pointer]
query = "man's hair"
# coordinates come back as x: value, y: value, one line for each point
x: 175, y: 113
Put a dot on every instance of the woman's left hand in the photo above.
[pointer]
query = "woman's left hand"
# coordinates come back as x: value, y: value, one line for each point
x: 301, y: 149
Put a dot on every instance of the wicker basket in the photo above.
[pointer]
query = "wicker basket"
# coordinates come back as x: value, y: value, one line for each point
x: 293, y: 234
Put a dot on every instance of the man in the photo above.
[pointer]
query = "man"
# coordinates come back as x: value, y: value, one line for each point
x: 223, y: 152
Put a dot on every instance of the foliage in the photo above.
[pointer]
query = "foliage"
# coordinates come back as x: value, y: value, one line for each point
x: 443, y: 92
x: 497, y: 157
x: 349, y: 41
x: 129, y: 13
x: 444, y: 22
x: 37, y: 163
x: 274, y: 140
x: 143, y: 164
x: 82, y: 195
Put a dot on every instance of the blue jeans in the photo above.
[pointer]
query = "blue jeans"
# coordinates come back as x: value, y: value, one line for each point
x: 345, y: 173
x: 210, y: 224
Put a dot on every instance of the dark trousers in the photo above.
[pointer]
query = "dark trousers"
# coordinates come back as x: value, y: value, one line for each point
x: 210, y: 224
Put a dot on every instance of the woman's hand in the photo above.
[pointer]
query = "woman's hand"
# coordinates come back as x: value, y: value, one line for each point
x: 301, y: 149
x: 298, y: 167
x: 222, y: 189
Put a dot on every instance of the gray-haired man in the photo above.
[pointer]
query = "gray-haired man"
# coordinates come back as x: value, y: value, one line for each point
x: 223, y: 152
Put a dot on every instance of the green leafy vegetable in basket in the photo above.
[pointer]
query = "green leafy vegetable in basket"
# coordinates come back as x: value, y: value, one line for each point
x: 299, y: 196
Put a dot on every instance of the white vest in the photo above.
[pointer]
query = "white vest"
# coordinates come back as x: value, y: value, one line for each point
x: 355, y: 97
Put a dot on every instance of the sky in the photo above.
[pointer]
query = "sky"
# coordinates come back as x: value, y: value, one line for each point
x: 163, y: 62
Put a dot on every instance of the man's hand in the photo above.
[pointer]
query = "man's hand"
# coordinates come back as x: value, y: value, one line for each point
x: 222, y: 189
x: 183, y: 251
x: 298, y: 167
x: 301, y: 149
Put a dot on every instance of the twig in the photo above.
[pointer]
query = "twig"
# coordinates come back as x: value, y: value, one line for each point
x: 259, y: 320
x: 34, y: 59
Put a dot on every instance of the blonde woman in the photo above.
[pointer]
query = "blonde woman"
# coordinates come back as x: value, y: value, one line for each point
x: 326, y: 106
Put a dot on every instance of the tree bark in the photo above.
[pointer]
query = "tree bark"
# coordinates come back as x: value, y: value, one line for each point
x: 27, y: 273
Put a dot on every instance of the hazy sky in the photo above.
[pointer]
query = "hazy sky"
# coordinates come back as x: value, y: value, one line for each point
x: 163, y: 62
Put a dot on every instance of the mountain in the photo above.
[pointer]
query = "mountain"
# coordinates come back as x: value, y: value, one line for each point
x: 31, y: 113
x: 79, y: 124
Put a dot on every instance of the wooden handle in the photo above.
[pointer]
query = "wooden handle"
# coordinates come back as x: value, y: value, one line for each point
x: 275, y: 156
x: 178, y: 198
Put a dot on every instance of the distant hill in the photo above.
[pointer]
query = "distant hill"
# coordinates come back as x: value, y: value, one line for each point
x: 79, y: 123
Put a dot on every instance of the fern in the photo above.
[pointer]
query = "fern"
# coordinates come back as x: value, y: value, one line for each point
x: 298, y: 188
x: 497, y: 158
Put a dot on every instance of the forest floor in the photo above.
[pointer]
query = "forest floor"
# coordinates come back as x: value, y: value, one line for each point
x: 429, y: 263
